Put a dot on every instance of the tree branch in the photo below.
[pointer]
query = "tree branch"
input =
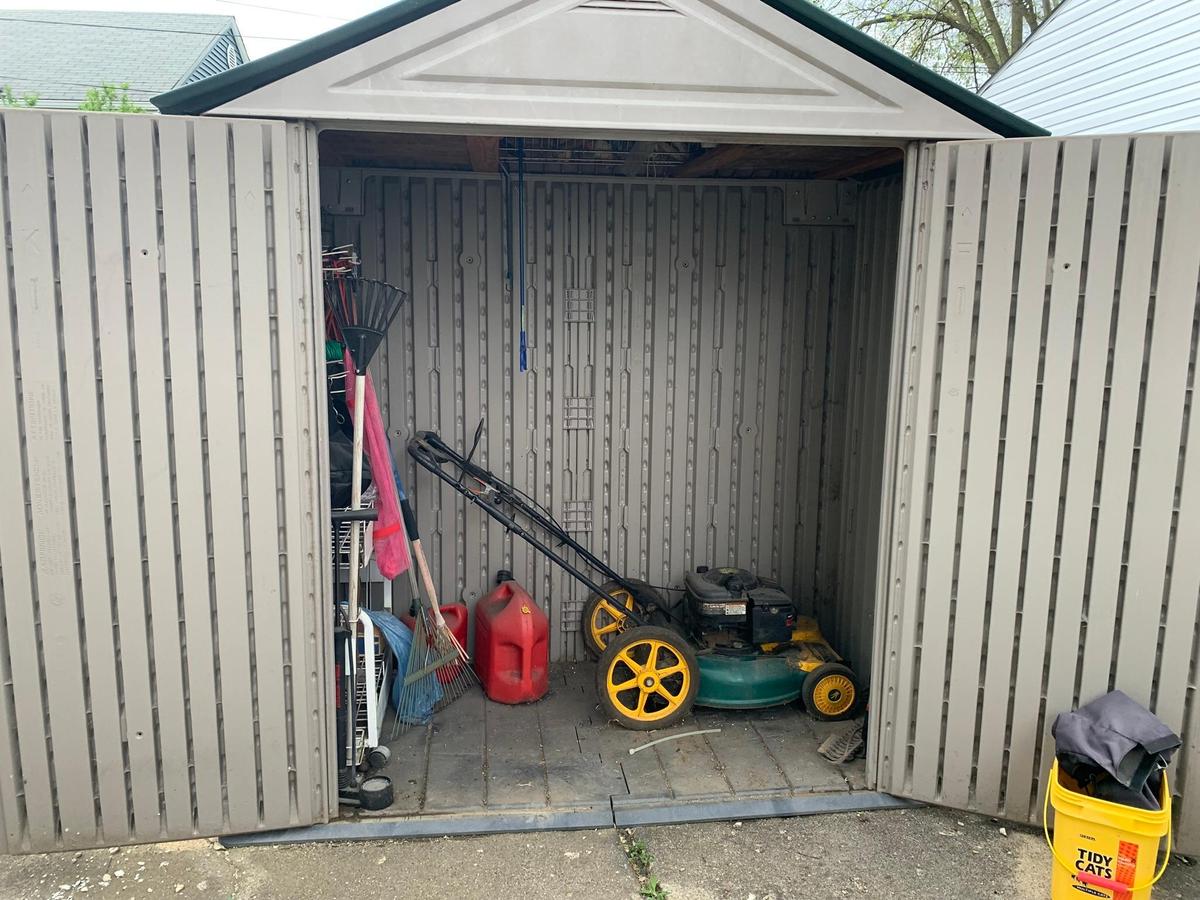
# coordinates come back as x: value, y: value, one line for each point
x: 998, y: 41
x: 963, y: 34
x: 1028, y: 14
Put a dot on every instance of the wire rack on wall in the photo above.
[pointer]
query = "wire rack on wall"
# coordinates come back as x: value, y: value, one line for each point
x: 340, y: 546
x: 564, y: 156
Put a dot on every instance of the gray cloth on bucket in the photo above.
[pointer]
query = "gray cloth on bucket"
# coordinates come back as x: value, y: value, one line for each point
x: 1121, y: 738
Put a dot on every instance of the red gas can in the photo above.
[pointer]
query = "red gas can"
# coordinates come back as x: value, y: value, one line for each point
x: 455, y: 615
x: 512, y: 644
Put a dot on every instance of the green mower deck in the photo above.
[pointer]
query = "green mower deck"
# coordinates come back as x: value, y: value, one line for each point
x: 747, y: 682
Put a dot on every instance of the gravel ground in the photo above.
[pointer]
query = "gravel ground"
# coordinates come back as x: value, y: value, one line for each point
x: 915, y: 853
x: 899, y: 854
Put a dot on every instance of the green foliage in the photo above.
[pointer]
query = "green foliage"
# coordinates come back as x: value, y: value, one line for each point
x: 640, y: 855
x: 111, y: 98
x: 653, y: 889
x: 9, y: 98
x: 965, y: 40
x: 640, y: 860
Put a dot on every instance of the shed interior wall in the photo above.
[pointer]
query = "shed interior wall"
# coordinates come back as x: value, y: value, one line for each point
x: 706, y: 375
x: 851, y: 615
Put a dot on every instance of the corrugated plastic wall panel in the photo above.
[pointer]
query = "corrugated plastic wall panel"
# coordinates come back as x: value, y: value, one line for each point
x: 852, y: 610
x: 1049, y: 499
x: 687, y: 380
x: 160, y: 576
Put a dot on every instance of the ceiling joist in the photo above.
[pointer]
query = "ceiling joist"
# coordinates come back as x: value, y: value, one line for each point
x: 864, y: 165
x: 484, y: 153
x: 723, y: 156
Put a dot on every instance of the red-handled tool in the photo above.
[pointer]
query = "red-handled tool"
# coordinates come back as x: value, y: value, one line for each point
x: 1117, y: 887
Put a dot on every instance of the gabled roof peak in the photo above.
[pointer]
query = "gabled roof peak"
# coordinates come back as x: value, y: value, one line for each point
x: 727, y: 66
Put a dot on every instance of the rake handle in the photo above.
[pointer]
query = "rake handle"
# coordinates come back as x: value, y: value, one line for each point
x: 360, y: 388
x: 427, y: 582
x: 414, y: 537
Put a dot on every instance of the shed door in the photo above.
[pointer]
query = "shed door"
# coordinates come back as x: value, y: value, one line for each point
x: 161, y: 643
x: 1046, y: 518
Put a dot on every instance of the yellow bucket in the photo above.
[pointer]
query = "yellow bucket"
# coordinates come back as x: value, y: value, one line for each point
x: 1103, y: 849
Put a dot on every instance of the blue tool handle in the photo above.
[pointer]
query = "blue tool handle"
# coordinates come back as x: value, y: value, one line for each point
x: 410, y: 520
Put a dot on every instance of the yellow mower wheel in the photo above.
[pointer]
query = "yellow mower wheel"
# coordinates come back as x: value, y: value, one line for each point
x: 831, y: 692
x: 647, y: 678
x: 605, y: 615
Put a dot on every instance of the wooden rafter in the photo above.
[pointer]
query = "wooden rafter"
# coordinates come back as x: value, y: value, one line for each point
x: 722, y: 156
x: 864, y: 164
x: 484, y: 153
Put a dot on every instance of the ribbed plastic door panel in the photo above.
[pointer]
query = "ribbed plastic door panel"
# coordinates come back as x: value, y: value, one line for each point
x: 1048, y: 478
x: 163, y: 636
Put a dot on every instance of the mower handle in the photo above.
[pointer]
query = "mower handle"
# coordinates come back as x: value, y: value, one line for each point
x: 430, y: 452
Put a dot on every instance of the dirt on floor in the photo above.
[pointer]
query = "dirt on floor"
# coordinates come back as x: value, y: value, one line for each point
x: 913, y: 853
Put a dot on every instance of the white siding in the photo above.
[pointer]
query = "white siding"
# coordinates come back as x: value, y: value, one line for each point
x: 1108, y: 66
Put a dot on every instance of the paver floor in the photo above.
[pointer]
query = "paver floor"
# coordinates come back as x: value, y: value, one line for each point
x: 562, y: 753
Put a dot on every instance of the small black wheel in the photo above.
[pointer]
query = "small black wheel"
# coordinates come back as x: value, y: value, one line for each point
x: 377, y: 757
x: 832, y: 693
x: 604, y: 615
x: 375, y: 793
x: 647, y: 678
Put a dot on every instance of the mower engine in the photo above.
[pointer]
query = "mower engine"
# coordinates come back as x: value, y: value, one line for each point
x: 739, y: 606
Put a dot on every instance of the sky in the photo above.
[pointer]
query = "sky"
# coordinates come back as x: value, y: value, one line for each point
x: 266, y: 25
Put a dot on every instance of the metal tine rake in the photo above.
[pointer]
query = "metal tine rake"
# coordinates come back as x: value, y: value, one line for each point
x: 439, y: 670
x: 362, y: 309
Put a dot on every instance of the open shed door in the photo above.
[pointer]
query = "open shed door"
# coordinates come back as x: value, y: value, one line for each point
x: 1046, y: 510
x: 162, y: 644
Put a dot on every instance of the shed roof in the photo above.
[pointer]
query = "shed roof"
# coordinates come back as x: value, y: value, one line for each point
x: 59, y: 54
x: 223, y: 90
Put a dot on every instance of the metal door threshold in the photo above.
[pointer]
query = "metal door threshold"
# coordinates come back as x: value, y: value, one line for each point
x: 627, y: 811
x: 559, y: 764
x: 622, y: 812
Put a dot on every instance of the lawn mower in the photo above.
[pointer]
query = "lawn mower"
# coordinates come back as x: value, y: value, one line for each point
x: 734, y: 641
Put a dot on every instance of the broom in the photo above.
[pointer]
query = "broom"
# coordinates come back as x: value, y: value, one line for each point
x: 438, y: 670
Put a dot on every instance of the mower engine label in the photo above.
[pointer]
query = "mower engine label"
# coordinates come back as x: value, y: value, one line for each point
x: 723, y: 609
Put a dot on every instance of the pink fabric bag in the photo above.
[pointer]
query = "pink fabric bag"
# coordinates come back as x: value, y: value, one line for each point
x: 387, y: 534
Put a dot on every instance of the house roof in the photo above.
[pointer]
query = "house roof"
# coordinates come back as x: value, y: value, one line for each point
x: 59, y: 54
x: 1108, y: 66
x: 213, y: 92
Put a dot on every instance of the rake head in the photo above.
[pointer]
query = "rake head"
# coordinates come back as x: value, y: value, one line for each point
x: 363, y: 308
x: 437, y: 674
